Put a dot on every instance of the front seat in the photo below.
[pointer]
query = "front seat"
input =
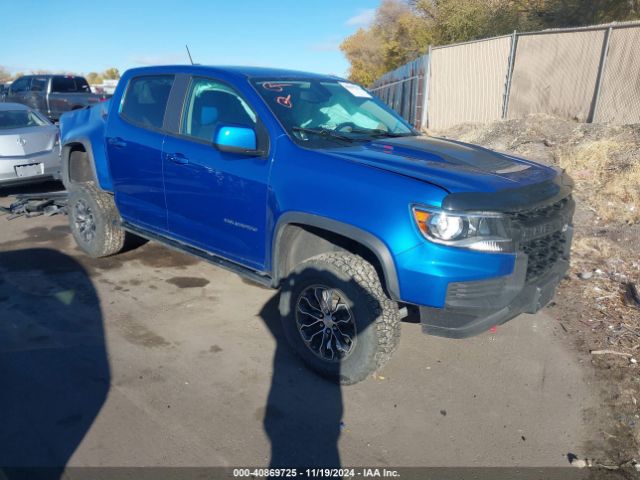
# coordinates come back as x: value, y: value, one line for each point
x: 213, y: 108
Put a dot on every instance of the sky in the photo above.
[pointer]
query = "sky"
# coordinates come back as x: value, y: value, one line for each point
x: 72, y: 36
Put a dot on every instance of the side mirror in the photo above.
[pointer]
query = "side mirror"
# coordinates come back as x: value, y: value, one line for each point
x: 234, y: 139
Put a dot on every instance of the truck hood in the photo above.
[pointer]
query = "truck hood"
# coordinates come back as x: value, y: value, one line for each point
x: 454, y: 166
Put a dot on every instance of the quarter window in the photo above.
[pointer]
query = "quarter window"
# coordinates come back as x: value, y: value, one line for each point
x: 211, y: 104
x: 146, y: 100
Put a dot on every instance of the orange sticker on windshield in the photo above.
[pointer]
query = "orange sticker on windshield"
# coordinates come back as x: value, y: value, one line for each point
x: 285, y: 101
x: 275, y: 87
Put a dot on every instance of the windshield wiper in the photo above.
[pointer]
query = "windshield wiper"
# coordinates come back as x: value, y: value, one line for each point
x: 324, y: 132
x: 379, y: 133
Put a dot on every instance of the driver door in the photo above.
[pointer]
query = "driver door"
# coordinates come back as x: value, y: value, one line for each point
x: 216, y: 200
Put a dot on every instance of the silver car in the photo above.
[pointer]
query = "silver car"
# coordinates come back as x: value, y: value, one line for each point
x: 29, y: 146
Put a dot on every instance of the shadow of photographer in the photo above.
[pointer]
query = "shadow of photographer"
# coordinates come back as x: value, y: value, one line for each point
x: 303, y: 418
x: 54, y: 371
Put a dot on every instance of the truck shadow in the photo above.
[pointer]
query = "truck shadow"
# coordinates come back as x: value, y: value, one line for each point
x: 54, y: 372
x: 303, y: 415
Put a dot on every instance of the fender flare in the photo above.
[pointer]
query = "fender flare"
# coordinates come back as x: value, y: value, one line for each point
x: 66, y: 156
x: 370, y: 241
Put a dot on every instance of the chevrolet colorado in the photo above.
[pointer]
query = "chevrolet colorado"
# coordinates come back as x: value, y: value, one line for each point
x: 309, y: 184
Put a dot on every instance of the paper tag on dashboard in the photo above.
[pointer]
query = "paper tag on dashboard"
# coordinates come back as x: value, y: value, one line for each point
x: 355, y: 90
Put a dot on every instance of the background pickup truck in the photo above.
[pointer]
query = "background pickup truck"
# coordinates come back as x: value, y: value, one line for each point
x: 52, y: 95
x: 309, y: 184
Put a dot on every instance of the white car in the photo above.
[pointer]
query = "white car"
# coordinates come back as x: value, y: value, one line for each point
x: 29, y: 146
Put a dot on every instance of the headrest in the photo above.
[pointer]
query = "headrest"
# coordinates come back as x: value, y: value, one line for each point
x: 208, y: 115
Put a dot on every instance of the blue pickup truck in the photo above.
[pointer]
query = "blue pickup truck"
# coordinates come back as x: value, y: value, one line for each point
x: 309, y: 184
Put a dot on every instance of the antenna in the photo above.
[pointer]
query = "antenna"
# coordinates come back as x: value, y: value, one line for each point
x: 189, y: 53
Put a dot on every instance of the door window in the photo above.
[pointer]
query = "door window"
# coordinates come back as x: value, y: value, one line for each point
x: 20, y: 85
x: 146, y: 99
x: 211, y: 104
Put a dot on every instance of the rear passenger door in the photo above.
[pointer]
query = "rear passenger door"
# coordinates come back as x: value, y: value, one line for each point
x: 134, y: 143
x: 36, y: 96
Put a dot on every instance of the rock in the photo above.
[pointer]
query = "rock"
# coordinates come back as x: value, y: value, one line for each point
x: 585, y: 275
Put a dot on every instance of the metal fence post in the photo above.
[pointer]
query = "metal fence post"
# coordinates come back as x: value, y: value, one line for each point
x: 507, y: 84
x: 603, y: 62
x: 424, y: 123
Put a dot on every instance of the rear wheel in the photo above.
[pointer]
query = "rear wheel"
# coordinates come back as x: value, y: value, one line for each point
x: 338, y: 318
x: 94, y: 221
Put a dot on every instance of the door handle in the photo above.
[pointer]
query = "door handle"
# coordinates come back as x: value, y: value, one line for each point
x: 117, y: 142
x: 178, y: 158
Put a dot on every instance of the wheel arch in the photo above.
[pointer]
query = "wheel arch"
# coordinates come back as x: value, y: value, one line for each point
x: 78, y: 172
x: 299, y: 236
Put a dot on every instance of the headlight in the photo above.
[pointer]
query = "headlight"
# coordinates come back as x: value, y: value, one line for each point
x: 486, y: 231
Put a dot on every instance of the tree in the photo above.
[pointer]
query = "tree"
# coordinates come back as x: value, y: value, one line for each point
x: 5, y: 75
x: 363, y: 49
x: 455, y: 21
x: 94, y: 78
x: 111, y: 74
x: 403, y: 29
x: 396, y: 36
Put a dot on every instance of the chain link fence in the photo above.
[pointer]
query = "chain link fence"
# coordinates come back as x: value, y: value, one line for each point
x: 589, y: 74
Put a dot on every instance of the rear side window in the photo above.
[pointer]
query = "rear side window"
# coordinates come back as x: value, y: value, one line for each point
x: 19, y: 119
x: 63, y: 85
x: 38, y: 84
x: 146, y: 100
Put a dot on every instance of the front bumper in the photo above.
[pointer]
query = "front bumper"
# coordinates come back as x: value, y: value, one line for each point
x: 492, y: 302
x: 50, y: 168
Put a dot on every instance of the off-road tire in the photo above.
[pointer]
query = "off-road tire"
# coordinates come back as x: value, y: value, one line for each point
x: 376, y: 315
x: 109, y: 237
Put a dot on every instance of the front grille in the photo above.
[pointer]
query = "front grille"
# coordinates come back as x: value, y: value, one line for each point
x: 541, y: 235
x: 543, y: 253
x: 541, y: 213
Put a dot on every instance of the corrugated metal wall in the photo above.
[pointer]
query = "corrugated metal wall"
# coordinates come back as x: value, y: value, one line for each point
x: 467, y: 82
x: 403, y: 89
x: 620, y: 93
x: 555, y: 73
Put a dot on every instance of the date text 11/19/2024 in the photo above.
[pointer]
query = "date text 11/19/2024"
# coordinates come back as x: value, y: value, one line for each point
x: 315, y: 473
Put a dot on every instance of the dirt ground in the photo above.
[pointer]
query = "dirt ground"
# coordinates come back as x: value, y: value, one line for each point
x: 153, y: 358
x: 596, y: 306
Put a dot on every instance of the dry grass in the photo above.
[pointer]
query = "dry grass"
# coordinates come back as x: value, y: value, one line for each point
x: 609, y: 187
x: 596, y: 248
x: 603, y: 159
x: 591, y: 304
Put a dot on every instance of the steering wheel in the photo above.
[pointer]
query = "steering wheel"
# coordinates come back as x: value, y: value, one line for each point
x: 343, y: 125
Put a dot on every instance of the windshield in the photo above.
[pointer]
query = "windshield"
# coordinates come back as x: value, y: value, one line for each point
x: 19, y: 119
x: 318, y: 111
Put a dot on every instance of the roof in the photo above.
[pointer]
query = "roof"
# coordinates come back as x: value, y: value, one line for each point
x: 242, y: 71
x: 12, y: 106
x: 49, y: 75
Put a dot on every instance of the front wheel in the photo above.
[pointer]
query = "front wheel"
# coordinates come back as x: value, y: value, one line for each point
x: 94, y: 221
x: 338, y: 318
